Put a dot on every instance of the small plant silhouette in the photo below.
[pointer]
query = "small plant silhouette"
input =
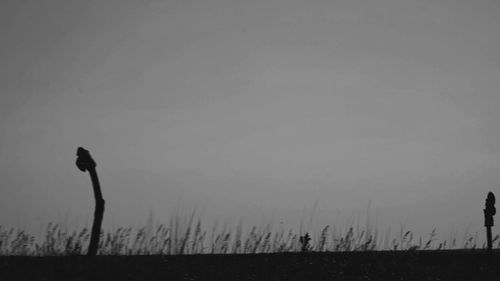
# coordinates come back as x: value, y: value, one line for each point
x: 304, y: 241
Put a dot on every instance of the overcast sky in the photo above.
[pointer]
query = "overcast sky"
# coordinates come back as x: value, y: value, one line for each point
x: 245, y: 107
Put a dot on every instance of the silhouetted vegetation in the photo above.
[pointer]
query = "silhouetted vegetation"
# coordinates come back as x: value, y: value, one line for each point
x: 183, y: 250
x: 187, y: 236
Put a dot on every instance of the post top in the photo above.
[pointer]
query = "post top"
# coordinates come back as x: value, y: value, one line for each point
x: 490, y: 200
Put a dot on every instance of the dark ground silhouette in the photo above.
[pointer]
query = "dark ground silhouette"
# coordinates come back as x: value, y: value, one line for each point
x: 367, y: 265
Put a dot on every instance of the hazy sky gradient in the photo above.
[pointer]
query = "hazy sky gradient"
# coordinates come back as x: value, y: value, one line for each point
x: 241, y: 107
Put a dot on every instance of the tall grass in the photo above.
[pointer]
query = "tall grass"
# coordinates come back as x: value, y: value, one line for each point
x: 187, y: 235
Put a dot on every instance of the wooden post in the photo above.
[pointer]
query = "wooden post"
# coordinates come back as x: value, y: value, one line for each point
x: 84, y: 162
x: 489, y: 212
x: 488, y: 237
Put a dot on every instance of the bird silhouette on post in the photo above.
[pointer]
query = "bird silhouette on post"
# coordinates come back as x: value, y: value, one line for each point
x: 84, y: 162
x: 489, y: 212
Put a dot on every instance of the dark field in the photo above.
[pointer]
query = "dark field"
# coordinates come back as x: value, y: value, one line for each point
x: 367, y: 265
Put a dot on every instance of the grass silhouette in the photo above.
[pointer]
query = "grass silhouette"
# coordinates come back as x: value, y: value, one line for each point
x: 186, y: 236
x: 185, y: 249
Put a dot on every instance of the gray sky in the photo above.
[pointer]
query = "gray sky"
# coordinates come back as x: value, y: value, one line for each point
x: 243, y: 107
